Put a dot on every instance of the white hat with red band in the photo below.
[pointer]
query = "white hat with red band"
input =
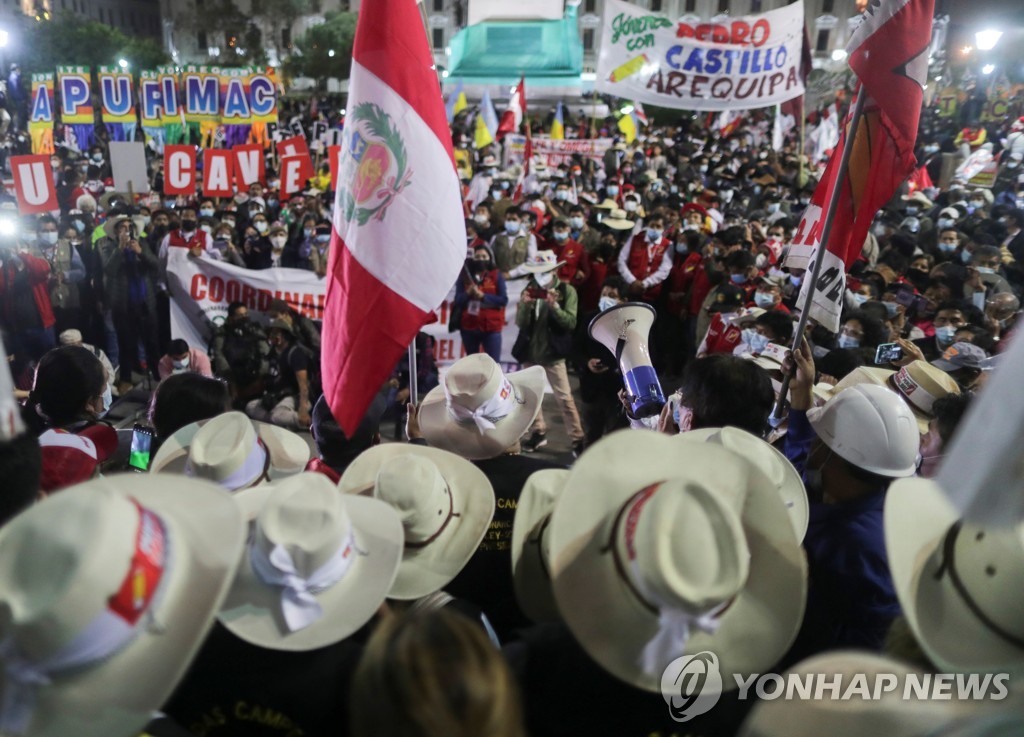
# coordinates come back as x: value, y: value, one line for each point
x: 106, y: 592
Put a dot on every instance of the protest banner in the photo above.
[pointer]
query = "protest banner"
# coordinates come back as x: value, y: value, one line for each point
x: 41, y: 119
x: 33, y: 184
x: 250, y: 166
x: 117, y: 103
x: 179, y: 170
x: 76, y: 110
x: 743, y: 63
x: 202, y: 288
x: 218, y: 173
x: 201, y: 100
x: 554, y: 152
x: 128, y: 166
x: 171, y: 113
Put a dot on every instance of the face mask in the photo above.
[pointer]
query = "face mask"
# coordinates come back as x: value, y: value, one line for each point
x: 562, y: 194
x: 892, y: 308
x: 795, y: 280
x: 858, y: 299
x: 511, y: 227
x: 97, y: 158
x: 576, y: 223
x: 496, y: 194
x: 544, y: 279
x: 206, y: 212
x: 307, y: 232
x: 188, y: 226
x: 629, y: 206
x: 560, y: 237
x: 673, y: 189
x: 272, y: 203
x: 764, y: 300
x: 230, y: 222
x: 478, y: 267
x: 945, y: 334
x: 757, y: 189
x: 845, y: 341
x: 653, y: 234
x: 278, y: 242
x: 756, y: 341
x: 682, y: 247
x: 182, y: 364
x: 612, y: 190
x: 911, y: 210
x: 878, y: 230
x: 683, y: 418
x: 965, y: 256
x: 323, y: 238
x: 108, y: 399
x: 738, y: 278
x: 261, y: 226
x: 984, y: 270
x: 726, y: 195
x: 805, y: 201
x: 606, y: 302
x: 761, y: 261
x: 206, y: 228
x: 773, y: 207
x: 703, y: 168
x: 79, y: 225
x: 49, y: 239
x: 977, y: 204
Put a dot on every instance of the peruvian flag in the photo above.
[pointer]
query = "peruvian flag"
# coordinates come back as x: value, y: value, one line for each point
x: 398, y: 238
x: 889, y: 54
x: 515, y: 113
x: 919, y: 180
x: 525, y: 174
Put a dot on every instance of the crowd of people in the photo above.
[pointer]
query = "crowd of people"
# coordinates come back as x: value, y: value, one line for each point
x: 459, y: 583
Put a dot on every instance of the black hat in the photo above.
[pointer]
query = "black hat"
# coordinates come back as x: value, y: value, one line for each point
x: 727, y: 297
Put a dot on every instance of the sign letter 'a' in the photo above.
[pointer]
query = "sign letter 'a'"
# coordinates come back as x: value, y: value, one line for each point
x: 399, y: 238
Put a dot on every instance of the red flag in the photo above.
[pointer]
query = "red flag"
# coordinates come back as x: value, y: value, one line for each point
x: 919, y: 180
x: 33, y: 183
x: 515, y: 113
x: 889, y: 54
x: 399, y: 238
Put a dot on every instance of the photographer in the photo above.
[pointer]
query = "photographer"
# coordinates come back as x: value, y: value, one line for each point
x: 286, y: 398
x: 25, y: 307
x: 130, y: 274
x: 546, y: 319
x: 480, y: 298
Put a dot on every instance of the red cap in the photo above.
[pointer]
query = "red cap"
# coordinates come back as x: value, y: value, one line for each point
x: 71, y: 458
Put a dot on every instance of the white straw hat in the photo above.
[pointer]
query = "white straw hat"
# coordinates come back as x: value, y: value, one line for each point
x: 771, y: 461
x: 542, y: 262
x: 232, y: 451
x: 445, y: 504
x: 318, y: 566
x: 477, y: 411
x: 662, y: 547
x: 107, y: 591
x: 531, y: 544
x: 959, y: 584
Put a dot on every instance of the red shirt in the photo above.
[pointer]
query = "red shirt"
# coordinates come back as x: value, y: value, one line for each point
x: 722, y: 337
x: 572, y: 253
x: 680, y: 279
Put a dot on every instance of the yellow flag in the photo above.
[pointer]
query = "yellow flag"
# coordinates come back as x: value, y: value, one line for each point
x: 628, y: 127
x: 481, y: 135
x: 460, y: 103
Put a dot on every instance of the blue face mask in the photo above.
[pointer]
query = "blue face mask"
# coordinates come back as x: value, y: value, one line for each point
x: 738, y: 278
x: 560, y: 237
x: 764, y: 300
x: 755, y: 340
x: 985, y: 270
x: 965, y: 256
x: 892, y: 308
x: 947, y: 247
x: 944, y: 223
x: 859, y: 299
x: 945, y: 334
x: 653, y: 234
x: 612, y: 190
x: 845, y: 341
x: 511, y: 228
x: 796, y: 280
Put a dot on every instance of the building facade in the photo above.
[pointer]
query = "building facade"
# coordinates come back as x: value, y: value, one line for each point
x: 131, y: 17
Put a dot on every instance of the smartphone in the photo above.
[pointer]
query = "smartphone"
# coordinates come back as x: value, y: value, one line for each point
x: 887, y: 353
x: 220, y: 244
x: 673, y: 402
x: 537, y: 292
x: 142, y: 447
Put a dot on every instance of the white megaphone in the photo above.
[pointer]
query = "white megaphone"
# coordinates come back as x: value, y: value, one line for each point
x: 623, y: 330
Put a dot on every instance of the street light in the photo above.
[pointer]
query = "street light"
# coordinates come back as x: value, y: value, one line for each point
x: 988, y: 68
x: 986, y: 40
x: 330, y: 52
x: 838, y: 54
x: 123, y: 63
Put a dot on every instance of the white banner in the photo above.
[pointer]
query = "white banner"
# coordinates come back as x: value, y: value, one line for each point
x: 202, y: 289
x: 554, y: 152
x: 742, y: 63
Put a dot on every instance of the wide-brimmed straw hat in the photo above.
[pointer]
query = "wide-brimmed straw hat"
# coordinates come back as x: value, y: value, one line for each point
x: 663, y: 547
x: 618, y: 220
x: 542, y: 262
x: 959, y: 583
x: 531, y: 544
x: 445, y: 504
x: 233, y: 451
x: 107, y: 591
x: 318, y: 565
x: 771, y: 461
x: 919, y: 383
x: 479, y: 412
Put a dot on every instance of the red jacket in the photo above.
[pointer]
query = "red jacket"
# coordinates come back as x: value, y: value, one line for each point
x: 486, y: 319
x: 680, y: 279
x: 722, y: 337
x: 642, y: 264
x: 39, y: 277
x: 573, y: 271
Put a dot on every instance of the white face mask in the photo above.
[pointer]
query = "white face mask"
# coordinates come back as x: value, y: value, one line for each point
x: 544, y: 279
x: 49, y: 239
x: 180, y: 365
x: 278, y: 241
x: 261, y: 226
x: 606, y: 302
x: 629, y: 206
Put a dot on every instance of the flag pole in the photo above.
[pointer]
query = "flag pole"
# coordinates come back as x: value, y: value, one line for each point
x: 826, y: 231
x: 414, y: 389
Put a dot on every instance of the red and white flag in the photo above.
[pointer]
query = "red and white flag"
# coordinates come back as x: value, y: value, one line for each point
x: 515, y: 113
x: 889, y: 54
x: 527, y: 171
x: 398, y: 238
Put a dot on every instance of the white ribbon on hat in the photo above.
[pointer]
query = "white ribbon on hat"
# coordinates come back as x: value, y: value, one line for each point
x: 674, y: 627
x: 298, y: 605
x: 498, y: 406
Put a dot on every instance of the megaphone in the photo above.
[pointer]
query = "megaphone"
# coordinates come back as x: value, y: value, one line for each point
x: 623, y: 330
